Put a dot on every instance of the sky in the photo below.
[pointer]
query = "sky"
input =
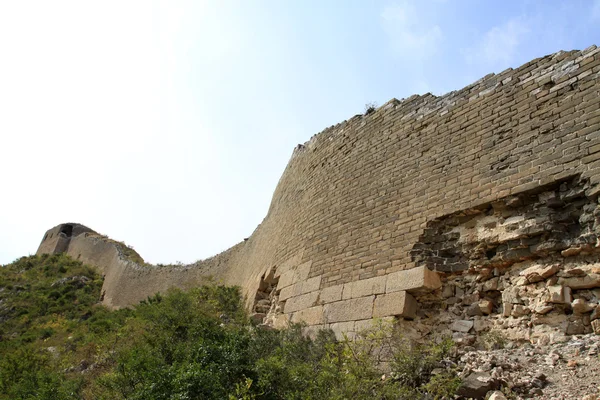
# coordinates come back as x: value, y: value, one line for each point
x: 167, y: 124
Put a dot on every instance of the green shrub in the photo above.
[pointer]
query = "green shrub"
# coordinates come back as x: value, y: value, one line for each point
x: 370, y: 108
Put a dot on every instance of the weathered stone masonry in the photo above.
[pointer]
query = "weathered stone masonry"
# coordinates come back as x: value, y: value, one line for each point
x: 366, y: 208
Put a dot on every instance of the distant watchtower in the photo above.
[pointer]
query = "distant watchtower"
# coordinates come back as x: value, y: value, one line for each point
x: 57, y: 239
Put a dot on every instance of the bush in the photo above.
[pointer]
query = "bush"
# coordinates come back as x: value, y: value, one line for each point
x: 370, y: 108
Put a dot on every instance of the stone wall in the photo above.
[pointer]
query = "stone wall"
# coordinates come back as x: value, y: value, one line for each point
x: 57, y: 239
x: 127, y: 279
x: 353, y: 226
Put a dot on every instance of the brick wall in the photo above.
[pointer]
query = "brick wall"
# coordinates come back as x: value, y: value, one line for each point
x: 356, y: 197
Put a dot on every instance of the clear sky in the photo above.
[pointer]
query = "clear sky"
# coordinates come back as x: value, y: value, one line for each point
x: 168, y: 124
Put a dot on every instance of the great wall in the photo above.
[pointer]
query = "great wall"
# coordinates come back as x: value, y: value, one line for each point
x: 472, y: 212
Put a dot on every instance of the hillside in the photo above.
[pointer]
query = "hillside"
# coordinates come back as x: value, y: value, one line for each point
x: 57, y: 342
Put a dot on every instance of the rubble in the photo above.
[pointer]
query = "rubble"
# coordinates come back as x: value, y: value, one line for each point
x: 561, y: 371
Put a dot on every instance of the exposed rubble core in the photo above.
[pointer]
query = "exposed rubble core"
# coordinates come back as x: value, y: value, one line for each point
x: 525, y: 266
x: 561, y: 371
x: 266, y: 304
x: 530, y: 225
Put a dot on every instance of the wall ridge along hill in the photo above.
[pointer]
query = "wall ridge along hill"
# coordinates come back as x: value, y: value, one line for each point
x: 407, y: 211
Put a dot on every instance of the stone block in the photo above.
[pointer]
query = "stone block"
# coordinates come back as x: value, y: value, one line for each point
x: 310, y: 285
x: 543, y: 308
x: 511, y: 295
x: 580, y: 306
x: 301, y: 302
x: 349, y: 310
x: 490, y: 285
x: 520, y: 310
x: 568, y: 292
x: 288, y: 265
x: 474, y: 310
x: 296, y: 275
x: 312, y: 316
x: 290, y: 291
x: 462, y: 326
x: 476, y: 385
x: 416, y: 280
x: 331, y: 294
x: 538, y: 273
x: 555, y: 294
x: 302, y: 271
x: 551, y: 319
x: 400, y: 304
x: 301, y: 287
x: 482, y: 324
x: 286, y: 279
x: 486, y: 307
x: 575, y: 328
x: 581, y: 282
x: 365, y: 287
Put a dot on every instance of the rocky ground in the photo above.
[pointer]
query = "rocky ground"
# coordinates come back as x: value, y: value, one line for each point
x: 565, y: 371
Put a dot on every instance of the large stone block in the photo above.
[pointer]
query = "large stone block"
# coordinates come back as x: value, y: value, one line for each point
x: 290, y: 291
x: 302, y: 272
x: 310, y: 285
x: 400, y: 304
x: 286, y: 279
x: 300, y: 302
x: 294, y: 275
x: 416, y: 280
x: 288, y: 265
x: 349, y: 310
x: 365, y: 287
x: 462, y: 326
x: 298, y: 288
x: 312, y: 316
x: 331, y: 294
